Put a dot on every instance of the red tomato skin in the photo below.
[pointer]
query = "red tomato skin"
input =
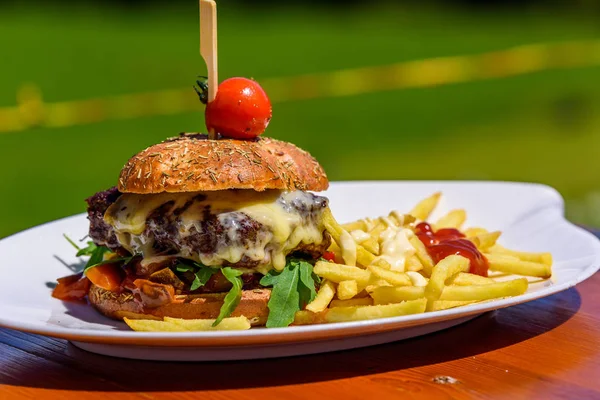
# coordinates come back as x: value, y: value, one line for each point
x: 240, y: 110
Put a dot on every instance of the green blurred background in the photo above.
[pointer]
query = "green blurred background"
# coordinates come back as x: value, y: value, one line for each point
x: 539, y: 127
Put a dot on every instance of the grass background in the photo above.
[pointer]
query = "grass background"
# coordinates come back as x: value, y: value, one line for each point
x: 541, y: 127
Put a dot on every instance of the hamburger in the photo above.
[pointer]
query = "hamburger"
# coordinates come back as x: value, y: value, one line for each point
x: 201, y: 228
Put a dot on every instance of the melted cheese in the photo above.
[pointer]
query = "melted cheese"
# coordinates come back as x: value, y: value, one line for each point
x: 287, y: 228
x: 154, y: 260
x: 360, y: 236
x: 348, y: 246
x: 396, y: 247
x: 129, y: 213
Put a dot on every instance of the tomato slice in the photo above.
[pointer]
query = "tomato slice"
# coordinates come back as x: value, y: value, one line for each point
x: 72, y: 287
x: 106, y: 276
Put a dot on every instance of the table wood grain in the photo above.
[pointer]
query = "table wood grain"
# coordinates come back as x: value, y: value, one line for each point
x: 545, y: 349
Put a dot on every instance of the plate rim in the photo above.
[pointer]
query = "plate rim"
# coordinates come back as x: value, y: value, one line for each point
x: 319, y: 331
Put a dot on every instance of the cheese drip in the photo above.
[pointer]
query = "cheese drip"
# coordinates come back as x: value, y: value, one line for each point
x: 288, y: 218
x: 360, y: 236
x: 396, y: 248
x: 348, y: 246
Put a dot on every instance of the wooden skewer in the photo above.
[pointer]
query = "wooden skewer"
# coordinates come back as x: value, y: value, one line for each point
x: 208, y: 48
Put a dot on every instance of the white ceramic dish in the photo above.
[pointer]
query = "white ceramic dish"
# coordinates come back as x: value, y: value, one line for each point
x: 530, y: 216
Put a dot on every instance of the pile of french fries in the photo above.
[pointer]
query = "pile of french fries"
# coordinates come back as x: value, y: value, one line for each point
x: 374, y: 288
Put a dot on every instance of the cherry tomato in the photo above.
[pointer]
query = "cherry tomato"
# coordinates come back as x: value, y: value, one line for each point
x: 240, y: 110
x: 106, y: 276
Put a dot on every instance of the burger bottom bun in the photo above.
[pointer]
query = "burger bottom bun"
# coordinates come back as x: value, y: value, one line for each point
x: 253, y: 306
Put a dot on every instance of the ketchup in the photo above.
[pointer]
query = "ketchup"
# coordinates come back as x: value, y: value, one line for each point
x: 329, y: 256
x: 448, y: 241
x: 72, y: 287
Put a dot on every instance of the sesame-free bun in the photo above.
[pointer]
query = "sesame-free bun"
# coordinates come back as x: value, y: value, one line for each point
x: 193, y: 163
x: 252, y: 305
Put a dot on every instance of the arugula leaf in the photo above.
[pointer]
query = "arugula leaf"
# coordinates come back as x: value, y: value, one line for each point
x: 270, y: 278
x: 71, y: 241
x: 86, y: 251
x: 96, y: 257
x: 285, y: 299
x: 232, y: 299
x: 306, y: 285
x: 184, y: 268
x: 111, y: 261
x: 201, y: 272
x: 293, y: 288
x: 96, y: 254
x: 202, y: 275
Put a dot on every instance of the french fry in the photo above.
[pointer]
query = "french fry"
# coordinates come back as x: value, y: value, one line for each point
x: 323, y: 298
x: 361, y: 293
x: 401, y: 220
x: 543, y: 258
x: 363, y: 257
x: 485, y: 240
x: 331, y: 225
x: 413, y: 263
x: 422, y: 255
x: 365, y: 301
x: 465, y: 279
x: 380, y: 262
x: 475, y: 231
x: 335, y: 249
x: 339, y: 272
x: 369, y: 223
x: 379, y: 227
x: 397, y: 294
x: 227, y: 324
x: 347, y: 290
x: 132, y: 315
x: 439, y: 305
x: 454, y: 219
x: 494, y: 290
x: 443, y: 270
x: 393, y: 277
x: 151, y: 325
x: 513, y: 265
x: 375, y: 283
x: 417, y: 279
x: 304, y: 317
x: 360, y: 313
x: 425, y: 207
x: 356, y: 225
x: 371, y: 245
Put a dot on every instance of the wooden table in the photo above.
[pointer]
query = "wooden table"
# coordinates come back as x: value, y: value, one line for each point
x: 546, y: 349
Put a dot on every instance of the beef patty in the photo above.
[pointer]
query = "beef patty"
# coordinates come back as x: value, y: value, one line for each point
x: 211, y: 233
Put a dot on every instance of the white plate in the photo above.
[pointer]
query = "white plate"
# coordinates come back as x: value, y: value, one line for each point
x: 530, y: 216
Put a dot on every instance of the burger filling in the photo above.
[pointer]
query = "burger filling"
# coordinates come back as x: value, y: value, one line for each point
x: 254, y: 231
